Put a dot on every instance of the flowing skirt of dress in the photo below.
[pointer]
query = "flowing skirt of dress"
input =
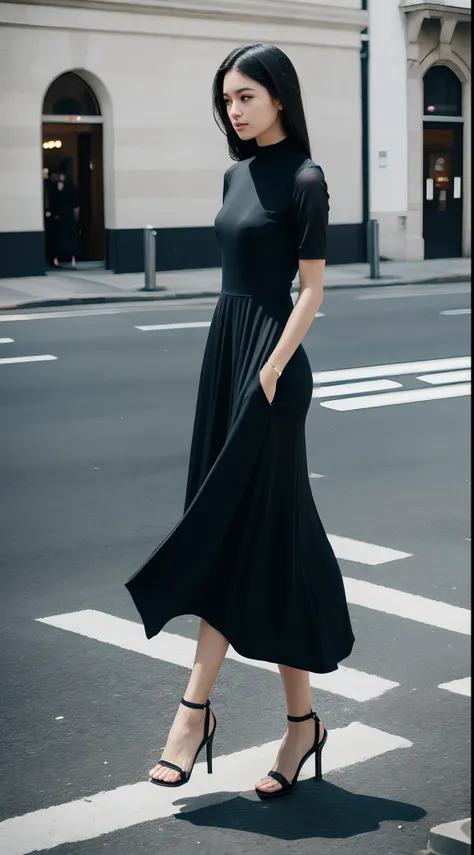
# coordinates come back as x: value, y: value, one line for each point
x: 250, y: 554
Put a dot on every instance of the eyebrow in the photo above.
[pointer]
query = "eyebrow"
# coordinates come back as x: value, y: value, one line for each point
x: 238, y: 91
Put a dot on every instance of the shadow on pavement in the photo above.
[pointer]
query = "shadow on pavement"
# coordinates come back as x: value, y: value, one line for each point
x: 320, y: 811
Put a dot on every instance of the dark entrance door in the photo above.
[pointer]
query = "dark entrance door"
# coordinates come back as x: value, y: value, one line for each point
x: 89, y: 169
x: 442, y: 189
x: 82, y: 147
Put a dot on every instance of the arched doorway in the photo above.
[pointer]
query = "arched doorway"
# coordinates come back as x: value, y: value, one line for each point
x: 442, y: 163
x: 73, y: 147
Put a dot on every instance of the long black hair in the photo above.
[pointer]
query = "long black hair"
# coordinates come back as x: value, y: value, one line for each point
x: 269, y: 66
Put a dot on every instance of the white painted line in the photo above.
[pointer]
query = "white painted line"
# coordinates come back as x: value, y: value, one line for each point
x: 459, y: 687
x: 124, y: 807
x: 46, y: 358
x: 389, y: 399
x: 179, y: 650
x: 189, y: 326
x: 315, y: 475
x: 392, y: 369
x: 6, y: 341
x: 456, y: 312
x: 410, y: 606
x: 364, y: 553
x: 355, y: 388
x: 447, y: 377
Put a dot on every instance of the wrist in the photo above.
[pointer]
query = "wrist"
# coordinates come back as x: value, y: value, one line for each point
x: 274, y: 368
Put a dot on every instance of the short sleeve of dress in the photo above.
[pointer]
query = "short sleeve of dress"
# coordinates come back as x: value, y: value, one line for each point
x: 310, y: 212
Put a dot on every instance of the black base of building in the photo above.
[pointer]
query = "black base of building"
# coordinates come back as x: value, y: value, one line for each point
x: 23, y: 253
x: 176, y: 249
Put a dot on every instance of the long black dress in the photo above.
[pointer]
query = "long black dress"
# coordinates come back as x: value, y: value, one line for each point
x: 250, y: 554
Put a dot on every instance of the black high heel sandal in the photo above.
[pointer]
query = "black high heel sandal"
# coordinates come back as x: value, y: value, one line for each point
x: 207, y: 741
x: 286, y: 786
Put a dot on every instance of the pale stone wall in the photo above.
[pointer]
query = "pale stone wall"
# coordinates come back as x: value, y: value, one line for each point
x: 152, y: 74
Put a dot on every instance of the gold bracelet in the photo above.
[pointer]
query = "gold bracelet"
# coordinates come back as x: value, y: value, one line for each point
x: 275, y: 369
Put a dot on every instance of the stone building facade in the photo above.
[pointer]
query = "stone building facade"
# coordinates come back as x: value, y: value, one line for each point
x: 420, y: 127
x: 121, y: 90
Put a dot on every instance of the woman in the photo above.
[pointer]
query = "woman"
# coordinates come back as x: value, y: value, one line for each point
x: 250, y: 556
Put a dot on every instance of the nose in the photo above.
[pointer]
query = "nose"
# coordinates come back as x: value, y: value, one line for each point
x: 235, y: 113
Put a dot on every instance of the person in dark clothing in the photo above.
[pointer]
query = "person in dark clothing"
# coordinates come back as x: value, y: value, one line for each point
x: 64, y: 208
x: 250, y: 556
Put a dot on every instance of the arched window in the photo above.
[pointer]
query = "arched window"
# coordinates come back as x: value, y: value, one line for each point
x: 442, y: 92
x: 68, y: 95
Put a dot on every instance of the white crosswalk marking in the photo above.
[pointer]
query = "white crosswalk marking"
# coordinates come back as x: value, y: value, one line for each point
x: 408, y: 396
x: 179, y: 650
x: 106, y: 812
x: 355, y: 388
x: 447, y: 377
x: 6, y: 341
x: 459, y: 687
x: 411, y: 606
x: 456, y: 312
x: 47, y: 357
x: 364, y: 553
x: 393, y: 369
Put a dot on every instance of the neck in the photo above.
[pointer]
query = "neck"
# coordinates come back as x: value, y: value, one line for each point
x: 271, y: 137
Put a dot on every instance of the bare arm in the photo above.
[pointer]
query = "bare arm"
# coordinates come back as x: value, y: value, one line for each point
x: 310, y: 297
x: 309, y: 300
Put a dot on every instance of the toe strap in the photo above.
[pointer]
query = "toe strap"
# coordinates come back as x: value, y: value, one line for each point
x: 175, y: 768
x: 277, y: 776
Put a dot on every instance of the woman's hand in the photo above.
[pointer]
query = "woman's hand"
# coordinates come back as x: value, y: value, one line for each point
x: 268, y: 381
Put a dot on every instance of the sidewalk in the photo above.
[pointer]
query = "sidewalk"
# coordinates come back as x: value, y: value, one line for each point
x: 68, y: 287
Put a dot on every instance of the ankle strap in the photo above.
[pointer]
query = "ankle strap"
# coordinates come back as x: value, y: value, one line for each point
x: 195, y: 706
x: 303, y: 717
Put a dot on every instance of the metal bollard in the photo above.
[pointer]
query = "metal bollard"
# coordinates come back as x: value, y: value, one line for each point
x: 373, y: 248
x: 149, y: 258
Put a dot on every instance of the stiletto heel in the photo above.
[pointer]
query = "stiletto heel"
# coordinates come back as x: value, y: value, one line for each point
x: 286, y: 786
x: 318, y: 774
x: 207, y: 741
x: 209, y: 753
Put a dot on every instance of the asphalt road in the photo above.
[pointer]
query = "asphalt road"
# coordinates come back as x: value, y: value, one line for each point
x: 94, y: 457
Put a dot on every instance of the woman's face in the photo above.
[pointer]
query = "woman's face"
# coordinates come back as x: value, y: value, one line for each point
x: 249, y: 106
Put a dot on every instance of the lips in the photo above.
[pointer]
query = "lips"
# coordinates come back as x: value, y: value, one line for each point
x: 239, y: 125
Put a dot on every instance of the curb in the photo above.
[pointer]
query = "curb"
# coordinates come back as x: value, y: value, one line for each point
x: 143, y: 297
x: 451, y: 838
x: 131, y: 297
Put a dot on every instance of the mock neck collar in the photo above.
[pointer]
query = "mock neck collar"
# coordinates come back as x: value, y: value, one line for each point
x: 265, y: 152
